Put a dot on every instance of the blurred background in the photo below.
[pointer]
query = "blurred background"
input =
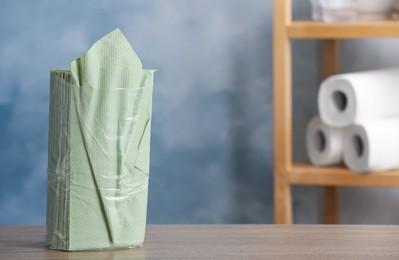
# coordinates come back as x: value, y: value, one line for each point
x: 212, y: 133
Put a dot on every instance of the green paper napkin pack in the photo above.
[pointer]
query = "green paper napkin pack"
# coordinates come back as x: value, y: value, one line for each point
x: 99, y: 149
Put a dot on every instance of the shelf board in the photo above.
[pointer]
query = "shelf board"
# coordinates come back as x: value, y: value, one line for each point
x: 306, y: 174
x: 353, y: 30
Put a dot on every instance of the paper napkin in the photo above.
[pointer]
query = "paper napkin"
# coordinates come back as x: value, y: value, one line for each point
x: 99, y: 147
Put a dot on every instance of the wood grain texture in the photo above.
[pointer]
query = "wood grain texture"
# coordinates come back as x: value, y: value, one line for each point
x: 331, y: 205
x: 282, y: 113
x: 354, y: 30
x: 330, y: 67
x: 224, y: 242
x: 307, y: 174
x: 331, y: 57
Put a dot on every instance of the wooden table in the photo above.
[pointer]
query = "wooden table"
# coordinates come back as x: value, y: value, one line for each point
x: 225, y: 242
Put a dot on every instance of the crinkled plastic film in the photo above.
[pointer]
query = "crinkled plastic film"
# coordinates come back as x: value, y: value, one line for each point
x: 98, y: 168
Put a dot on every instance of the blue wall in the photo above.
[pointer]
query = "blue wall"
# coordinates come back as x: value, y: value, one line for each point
x: 212, y: 118
x: 212, y: 130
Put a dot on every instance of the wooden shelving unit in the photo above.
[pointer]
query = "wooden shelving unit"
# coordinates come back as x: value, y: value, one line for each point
x: 355, y: 30
x: 286, y: 173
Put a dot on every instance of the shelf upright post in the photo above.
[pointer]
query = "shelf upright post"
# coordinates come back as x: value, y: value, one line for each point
x: 282, y: 112
x: 331, y: 67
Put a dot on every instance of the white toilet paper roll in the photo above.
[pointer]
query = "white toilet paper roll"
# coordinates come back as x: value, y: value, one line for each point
x: 372, y: 146
x: 323, y: 143
x: 351, y: 98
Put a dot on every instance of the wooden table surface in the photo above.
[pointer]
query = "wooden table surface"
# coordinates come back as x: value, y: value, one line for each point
x: 224, y: 242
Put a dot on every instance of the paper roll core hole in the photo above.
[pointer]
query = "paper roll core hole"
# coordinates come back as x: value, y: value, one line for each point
x: 320, y: 141
x: 340, y: 100
x: 358, y: 145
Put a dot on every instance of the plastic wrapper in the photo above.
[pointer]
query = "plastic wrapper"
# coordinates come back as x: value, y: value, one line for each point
x: 331, y: 11
x: 99, y: 149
